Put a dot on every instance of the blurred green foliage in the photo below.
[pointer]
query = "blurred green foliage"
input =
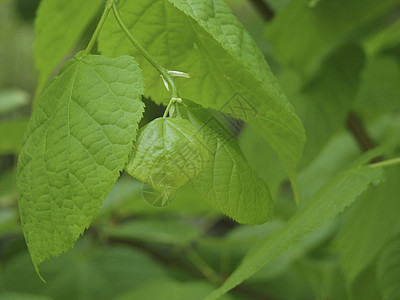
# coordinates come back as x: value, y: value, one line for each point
x: 332, y: 58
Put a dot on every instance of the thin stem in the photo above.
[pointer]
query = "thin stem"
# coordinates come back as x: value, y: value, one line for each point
x: 203, y: 266
x: 386, y: 163
x: 98, y: 28
x: 173, y: 100
x: 163, y: 71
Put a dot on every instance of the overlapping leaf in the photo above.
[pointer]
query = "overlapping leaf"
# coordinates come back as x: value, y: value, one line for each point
x: 167, y: 154
x: 77, y: 141
x: 228, y: 71
x: 227, y: 182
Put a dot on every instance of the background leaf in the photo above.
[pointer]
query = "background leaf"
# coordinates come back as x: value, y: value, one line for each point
x: 379, y: 91
x: 59, y: 25
x: 12, y: 99
x: 159, y: 231
x: 366, y: 232
x: 317, y: 32
x: 327, y: 99
x: 388, y: 270
x: 168, y: 289
x: 86, y: 272
x: 11, y: 135
x: 324, y: 206
x: 77, y: 141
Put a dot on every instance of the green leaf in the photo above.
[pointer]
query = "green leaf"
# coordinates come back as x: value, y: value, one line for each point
x: 77, y: 141
x: 366, y: 232
x: 262, y: 158
x: 9, y: 222
x: 228, y: 72
x: 22, y: 296
x: 11, y: 135
x: 59, y: 25
x: 86, y: 272
x: 171, y: 232
x: 332, y: 199
x: 388, y: 270
x: 316, y: 32
x: 168, y: 153
x: 169, y: 289
x: 126, y: 199
x: 387, y: 37
x: 328, y: 98
x: 227, y: 182
x: 380, y: 90
x: 365, y: 286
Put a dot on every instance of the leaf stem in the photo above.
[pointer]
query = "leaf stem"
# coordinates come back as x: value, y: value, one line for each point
x: 386, y: 163
x: 98, y: 28
x: 163, y: 71
x: 203, y: 266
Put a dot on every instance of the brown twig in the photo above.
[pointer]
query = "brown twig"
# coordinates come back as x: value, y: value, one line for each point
x: 264, y: 9
x: 359, y: 133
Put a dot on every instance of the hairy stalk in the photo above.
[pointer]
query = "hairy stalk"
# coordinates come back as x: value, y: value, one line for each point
x: 98, y: 28
x: 163, y: 71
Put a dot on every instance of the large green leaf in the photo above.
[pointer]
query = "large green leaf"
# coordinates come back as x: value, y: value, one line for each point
x: 331, y: 199
x: 59, y: 25
x: 388, y: 270
x: 228, y: 71
x: 168, y: 153
x: 77, y: 141
x: 302, y: 37
x: 227, y: 182
x: 367, y: 238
